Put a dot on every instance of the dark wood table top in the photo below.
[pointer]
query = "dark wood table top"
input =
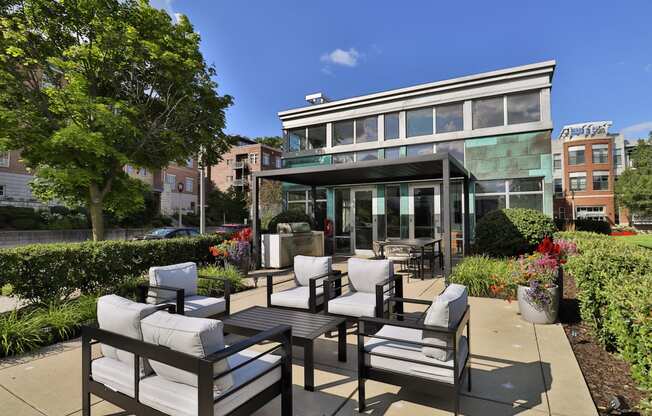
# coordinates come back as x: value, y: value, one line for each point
x: 304, y: 325
x: 413, y: 242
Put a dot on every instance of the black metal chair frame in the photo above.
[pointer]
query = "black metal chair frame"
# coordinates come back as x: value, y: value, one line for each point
x: 333, y: 286
x: 313, y: 307
x: 143, y: 288
x: 367, y: 327
x: 202, y: 367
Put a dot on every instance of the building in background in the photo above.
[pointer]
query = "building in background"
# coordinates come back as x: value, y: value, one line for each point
x: 14, y: 182
x: 587, y: 161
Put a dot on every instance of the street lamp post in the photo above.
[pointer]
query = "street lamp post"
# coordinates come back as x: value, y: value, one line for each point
x: 180, y: 187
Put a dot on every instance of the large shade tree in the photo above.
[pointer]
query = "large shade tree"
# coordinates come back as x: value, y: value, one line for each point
x: 89, y: 86
x: 634, y: 186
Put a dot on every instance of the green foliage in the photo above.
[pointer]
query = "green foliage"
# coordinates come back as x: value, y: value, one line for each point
x: 213, y: 287
x: 478, y: 273
x: 595, y: 226
x: 87, y: 87
x: 20, y: 333
x: 226, y: 207
x: 271, y: 141
x: 509, y: 232
x: 45, y: 272
x: 634, y: 185
x: 289, y: 216
x: 7, y: 290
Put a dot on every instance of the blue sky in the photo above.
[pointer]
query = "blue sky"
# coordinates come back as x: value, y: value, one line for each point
x: 270, y: 54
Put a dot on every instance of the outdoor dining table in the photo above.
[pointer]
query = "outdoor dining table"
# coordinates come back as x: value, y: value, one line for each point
x: 415, y: 243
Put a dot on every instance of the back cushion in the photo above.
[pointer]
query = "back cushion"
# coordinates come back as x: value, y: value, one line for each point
x: 181, y: 276
x: 446, y: 311
x: 364, y: 274
x: 306, y: 267
x: 122, y: 316
x: 195, y: 336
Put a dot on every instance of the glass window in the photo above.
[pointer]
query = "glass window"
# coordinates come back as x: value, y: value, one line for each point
x: 531, y: 201
x: 2, y: 191
x: 419, y: 122
x: 525, y: 185
x: 171, y: 180
x: 296, y: 140
x: 600, y: 180
x: 556, y: 161
x: 392, y: 153
x: 343, y: 132
x: 320, y: 193
x: 577, y: 183
x: 391, y: 126
x: 487, y: 203
x: 366, y: 155
x: 600, y: 153
x: 343, y: 158
x: 296, y: 195
x: 576, y: 155
x: 523, y: 108
x: 279, y: 163
x: 454, y: 148
x: 189, y: 163
x: 420, y: 149
x: 393, y: 210
x: 317, y: 137
x: 449, y: 117
x: 4, y: 159
x: 490, y: 187
x: 366, y: 129
x: 266, y: 159
x: 618, y: 156
x: 559, y: 188
x: 488, y: 112
x: 189, y: 185
x: 595, y: 213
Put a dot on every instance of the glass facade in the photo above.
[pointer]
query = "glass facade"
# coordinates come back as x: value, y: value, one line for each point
x: 419, y: 122
x: 366, y: 155
x: 449, y: 117
x: 343, y: 132
x: 393, y: 211
x: 491, y: 195
x: 343, y: 158
x: 488, y: 112
x: 523, y: 108
x: 366, y: 129
x: 453, y: 148
x: 420, y: 149
x: 392, y: 153
x: 391, y: 126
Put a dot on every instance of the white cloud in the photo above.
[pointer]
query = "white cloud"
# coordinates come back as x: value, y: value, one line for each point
x: 348, y: 58
x: 637, y: 130
x: 167, y: 6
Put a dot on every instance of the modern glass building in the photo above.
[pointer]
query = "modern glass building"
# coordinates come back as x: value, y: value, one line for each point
x: 494, y: 127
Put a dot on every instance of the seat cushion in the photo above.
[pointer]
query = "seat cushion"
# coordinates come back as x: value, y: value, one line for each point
x: 202, y: 306
x: 354, y: 304
x: 182, y: 276
x: 194, y: 336
x: 446, y: 311
x: 181, y: 399
x: 122, y: 316
x: 297, y: 297
x: 364, y: 274
x: 114, y: 374
x: 306, y: 267
x: 413, y: 352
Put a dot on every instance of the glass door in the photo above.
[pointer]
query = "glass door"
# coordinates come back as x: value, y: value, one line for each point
x: 363, y: 219
x: 343, y: 221
x: 424, y: 211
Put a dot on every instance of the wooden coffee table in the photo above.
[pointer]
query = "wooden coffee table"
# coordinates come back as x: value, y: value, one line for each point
x: 306, y: 327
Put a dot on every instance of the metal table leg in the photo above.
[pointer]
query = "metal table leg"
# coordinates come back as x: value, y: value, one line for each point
x: 341, y: 342
x: 309, y: 366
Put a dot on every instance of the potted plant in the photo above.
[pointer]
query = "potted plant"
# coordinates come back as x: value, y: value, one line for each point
x: 235, y: 251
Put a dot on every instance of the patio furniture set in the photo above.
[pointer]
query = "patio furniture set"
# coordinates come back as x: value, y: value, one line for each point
x: 412, y: 254
x: 166, y: 354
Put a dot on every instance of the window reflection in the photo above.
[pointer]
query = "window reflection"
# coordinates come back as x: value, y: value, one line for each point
x: 449, y: 118
x: 523, y: 108
x: 419, y: 122
x: 488, y: 112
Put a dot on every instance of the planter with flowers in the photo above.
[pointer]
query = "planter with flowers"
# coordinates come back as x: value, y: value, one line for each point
x: 235, y: 251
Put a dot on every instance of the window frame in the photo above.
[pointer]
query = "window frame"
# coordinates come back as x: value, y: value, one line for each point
x: 600, y: 174
x: 267, y: 159
x: 304, y: 141
x: 5, y: 159
x: 398, y: 125
x: 3, y: 190
x: 501, y: 98
x: 556, y: 157
x: 451, y: 104
x: 507, y: 193
x: 407, y: 122
x: 522, y: 93
x: 602, y: 153
x: 573, y: 152
x: 190, y: 181
x: 578, y: 180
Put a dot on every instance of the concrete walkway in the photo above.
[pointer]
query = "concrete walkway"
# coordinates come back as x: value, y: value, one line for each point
x: 517, y: 369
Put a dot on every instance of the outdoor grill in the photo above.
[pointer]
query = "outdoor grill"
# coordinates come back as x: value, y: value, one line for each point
x: 291, y: 239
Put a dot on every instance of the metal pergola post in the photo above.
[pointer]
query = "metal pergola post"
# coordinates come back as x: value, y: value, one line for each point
x: 446, y: 217
x: 467, y: 223
x: 255, y: 222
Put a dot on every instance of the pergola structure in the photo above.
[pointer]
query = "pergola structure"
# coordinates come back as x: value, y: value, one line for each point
x: 439, y: 166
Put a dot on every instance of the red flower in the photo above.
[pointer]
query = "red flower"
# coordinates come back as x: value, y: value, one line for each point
x: 243, y: 235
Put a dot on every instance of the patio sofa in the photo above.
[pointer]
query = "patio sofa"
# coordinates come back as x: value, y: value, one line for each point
x: 157, y: 363
x: 177, y: 284
x: 370, y: 285
x: 427, y: 352
x: 308, y: 291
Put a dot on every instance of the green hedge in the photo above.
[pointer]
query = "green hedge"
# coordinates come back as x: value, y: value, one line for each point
x: 614, y: 281
x: 44, y: 272
x: 510, y: 232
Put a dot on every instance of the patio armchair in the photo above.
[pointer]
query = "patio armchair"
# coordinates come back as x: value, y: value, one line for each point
x: 177, y: 284
x: 308, y: 292
x: 158, y: 363
x: 370, y: 284
x: 429, y: 351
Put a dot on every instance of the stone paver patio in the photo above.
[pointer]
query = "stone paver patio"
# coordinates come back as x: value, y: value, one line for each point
x: 517, y: 368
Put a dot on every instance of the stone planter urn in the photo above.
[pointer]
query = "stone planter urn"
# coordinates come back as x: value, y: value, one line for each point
x: 534, y: 313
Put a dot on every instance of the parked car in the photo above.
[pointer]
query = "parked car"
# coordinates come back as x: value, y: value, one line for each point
x: 228, y: 229
x: 168, y: 232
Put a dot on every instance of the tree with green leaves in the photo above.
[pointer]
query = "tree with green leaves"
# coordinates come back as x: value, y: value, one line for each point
x: 634, y: 186
x: 89, y: 86
x: 271, y: 141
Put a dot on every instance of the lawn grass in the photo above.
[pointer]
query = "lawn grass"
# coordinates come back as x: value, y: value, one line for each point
x: 643, y: 240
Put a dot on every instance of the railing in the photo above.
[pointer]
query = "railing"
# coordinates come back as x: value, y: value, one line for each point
x: 243, y: 164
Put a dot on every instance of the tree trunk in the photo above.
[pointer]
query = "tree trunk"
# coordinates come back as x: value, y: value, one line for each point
x: 96, y: 211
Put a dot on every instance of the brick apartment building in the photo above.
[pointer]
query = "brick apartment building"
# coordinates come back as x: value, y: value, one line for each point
x: 237, y: 164
x: 587, y: 160
x: 14, y: 182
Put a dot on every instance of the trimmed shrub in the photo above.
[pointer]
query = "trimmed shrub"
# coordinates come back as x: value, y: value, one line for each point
x: 478, y: 273
x: 594, y: 226
x: 44, y: 272
x: 212, y: 287
x: 510, y: 232
x: 289, y: 216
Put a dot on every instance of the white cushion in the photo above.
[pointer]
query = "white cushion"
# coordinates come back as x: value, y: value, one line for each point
x: 114, y: 374
x: 354, y: 304
x: 402, y: 350
x: 364, y: 274
x: 122, y: 316
x: 202, y: 306
x: 181, y: 399
x: 194, y: 336
x: 306, y: 267
x: 181, y: 276
x: 297, y: 297
x: 446, y: 311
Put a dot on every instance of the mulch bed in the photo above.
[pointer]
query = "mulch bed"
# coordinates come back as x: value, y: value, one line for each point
x: 606, y: 374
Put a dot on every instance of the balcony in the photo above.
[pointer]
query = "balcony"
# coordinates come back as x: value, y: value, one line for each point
x: 242, y: 164
x: 240, y: 182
